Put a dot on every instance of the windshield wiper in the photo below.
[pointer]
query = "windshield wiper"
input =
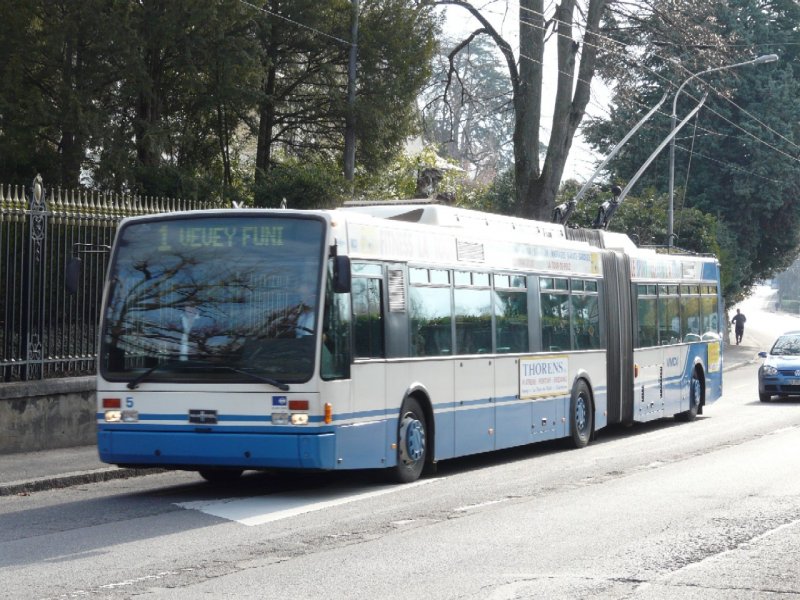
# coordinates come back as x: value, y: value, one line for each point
x: 278, y: 384
x: 134, y: 383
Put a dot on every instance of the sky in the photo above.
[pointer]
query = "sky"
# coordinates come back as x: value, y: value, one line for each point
x: 503, y: 15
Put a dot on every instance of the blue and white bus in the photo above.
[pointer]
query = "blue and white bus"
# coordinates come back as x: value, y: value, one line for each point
x: 389, y: 336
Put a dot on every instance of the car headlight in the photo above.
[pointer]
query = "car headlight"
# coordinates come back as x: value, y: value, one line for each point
x: 769, y: 370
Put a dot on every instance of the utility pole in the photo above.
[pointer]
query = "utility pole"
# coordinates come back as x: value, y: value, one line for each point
x: 350, y: 119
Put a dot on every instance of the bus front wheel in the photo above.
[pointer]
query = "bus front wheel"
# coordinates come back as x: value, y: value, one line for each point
x: 412, y: 448
x: 581, y: 414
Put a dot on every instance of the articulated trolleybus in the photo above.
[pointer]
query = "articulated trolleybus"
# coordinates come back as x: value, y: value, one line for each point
x: 389, y: 336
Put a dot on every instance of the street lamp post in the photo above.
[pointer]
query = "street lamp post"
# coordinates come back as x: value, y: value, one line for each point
x: 766, y: 58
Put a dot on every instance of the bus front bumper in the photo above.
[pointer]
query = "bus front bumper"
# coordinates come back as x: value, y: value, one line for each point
x: 189, y: 450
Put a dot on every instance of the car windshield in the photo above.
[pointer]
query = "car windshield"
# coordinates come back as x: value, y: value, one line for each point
x: 787, y: 345
x: 215, y: 298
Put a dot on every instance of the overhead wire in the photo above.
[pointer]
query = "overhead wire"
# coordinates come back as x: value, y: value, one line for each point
x: 298, y: 23
x: 732, y: 166
x: 671, y: 84
x: 661, y: 112
x: 592, y: 100
x: 616, y: 42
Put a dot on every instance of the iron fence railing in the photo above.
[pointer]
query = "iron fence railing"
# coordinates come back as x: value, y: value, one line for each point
x: 44, y: 331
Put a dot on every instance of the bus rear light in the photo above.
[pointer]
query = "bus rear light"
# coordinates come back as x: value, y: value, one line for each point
x: 328, y: 413
x: 112, y: 403
x: 298, y: 404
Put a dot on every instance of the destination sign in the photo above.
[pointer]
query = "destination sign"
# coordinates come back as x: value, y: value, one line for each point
x: 220, y: 236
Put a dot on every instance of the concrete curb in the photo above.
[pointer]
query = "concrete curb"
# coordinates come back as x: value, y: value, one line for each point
x: 41, y: 484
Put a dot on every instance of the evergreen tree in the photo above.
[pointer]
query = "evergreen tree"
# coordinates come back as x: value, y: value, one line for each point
x: 303, y: 107
x: 186, y: 97
x: 741, y: 163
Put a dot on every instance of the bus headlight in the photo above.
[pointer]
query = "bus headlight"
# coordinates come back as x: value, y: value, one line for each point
x: 280, y: 418
x: 113, y: 416
x: 299, y: 419
x: 130, y: 416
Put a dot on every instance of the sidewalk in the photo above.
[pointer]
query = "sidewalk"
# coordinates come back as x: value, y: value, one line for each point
x: 36, y: 471
x: 27, y: 472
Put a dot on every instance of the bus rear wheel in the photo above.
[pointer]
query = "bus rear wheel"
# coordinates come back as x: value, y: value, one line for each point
x: 695, y: 399
x: 412, y: 442
x: 581, y: 414
x: 220, y: 476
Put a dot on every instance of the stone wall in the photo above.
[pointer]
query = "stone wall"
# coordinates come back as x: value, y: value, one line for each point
x: 47, y: 414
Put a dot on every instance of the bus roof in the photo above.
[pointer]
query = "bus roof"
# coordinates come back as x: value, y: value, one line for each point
x: 462, y: 218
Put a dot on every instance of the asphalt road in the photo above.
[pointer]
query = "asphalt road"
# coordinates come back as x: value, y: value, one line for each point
x: 708, y: 509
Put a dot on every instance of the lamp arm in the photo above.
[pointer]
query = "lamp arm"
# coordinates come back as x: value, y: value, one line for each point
x: 759, y: 60
x: 661, y: 146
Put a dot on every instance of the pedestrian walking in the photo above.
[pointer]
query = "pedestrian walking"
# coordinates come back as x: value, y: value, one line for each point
x: 738, y: 323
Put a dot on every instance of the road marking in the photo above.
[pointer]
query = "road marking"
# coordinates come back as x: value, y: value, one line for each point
x: 266, y: 509
x: 479, y: 505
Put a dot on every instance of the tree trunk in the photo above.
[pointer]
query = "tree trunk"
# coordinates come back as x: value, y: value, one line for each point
x: 266, y: 119
x: 70, y: 145
x: 148, y: 113
x: 538, y: 196
x: 537, y: 186
x: 528, y: 104
x: 265, y: 124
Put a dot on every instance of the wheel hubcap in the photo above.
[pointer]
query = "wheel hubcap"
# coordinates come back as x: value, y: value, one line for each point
x: 580, y: 413
x: 694, y: 398
x: 412, y: 440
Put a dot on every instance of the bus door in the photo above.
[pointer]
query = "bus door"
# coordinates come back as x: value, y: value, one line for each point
x: 368, y: 430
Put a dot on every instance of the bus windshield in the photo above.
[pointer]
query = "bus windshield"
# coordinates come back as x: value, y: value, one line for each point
x: 216, y: 298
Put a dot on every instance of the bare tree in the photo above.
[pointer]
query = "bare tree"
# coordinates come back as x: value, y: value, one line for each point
x: 576, y: 26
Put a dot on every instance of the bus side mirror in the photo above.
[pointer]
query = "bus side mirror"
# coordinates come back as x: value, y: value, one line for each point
x: 341, y: 274
x: 72, y: 275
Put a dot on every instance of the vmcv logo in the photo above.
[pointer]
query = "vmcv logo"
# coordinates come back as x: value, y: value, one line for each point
x: 672, y: 361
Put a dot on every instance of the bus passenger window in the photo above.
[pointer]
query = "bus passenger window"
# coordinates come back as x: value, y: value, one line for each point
x: 648, y: 316
x: 511, y: 318
x: 669, y: 310
x: 473, y: 321
x: 367, y: 318
x: 690, y: 313
x: 709, y: 307
x: 586, y: 317
x: 430, y: 318
x: 555, y: 322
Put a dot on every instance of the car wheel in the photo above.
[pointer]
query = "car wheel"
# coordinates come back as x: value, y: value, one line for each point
x: 764, y: 397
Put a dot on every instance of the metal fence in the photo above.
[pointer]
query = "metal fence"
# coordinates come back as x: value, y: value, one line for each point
x: 44, y: 331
